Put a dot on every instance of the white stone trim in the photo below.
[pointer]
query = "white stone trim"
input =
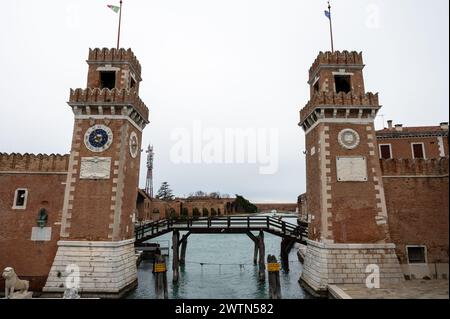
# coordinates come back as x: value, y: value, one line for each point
x: 441, y: 146
x: 349, y: 246
x: 24, y: 206
x: 94, y: 244
x: 360, y: 121
x: 110, y: 117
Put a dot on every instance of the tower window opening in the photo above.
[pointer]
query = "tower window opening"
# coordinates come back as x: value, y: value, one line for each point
x: 132, y: 83
x: 316, y: 87
x: 107, y: 80
x: 342, y: 83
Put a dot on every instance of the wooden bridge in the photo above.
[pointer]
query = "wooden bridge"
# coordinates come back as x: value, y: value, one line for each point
x: 289, y: 233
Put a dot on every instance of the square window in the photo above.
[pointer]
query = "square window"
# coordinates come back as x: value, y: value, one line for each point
x: 416, y: 254
x: 20, y: 198
x: 342, y: 83
x: 107, y: 80
x: 418, y: 150
x: 385, y: 151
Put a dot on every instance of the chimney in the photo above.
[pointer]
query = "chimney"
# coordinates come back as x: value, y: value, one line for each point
x: 444, y: 125
x: 389, y: 124
x: 399, y: 127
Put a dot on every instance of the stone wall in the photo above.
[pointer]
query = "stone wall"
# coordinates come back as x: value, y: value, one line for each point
x: 104, y: 267
x: 327, y: 264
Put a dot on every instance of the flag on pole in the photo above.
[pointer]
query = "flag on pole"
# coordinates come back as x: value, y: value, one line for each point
x: 114, y: 8
x: 328, y: 14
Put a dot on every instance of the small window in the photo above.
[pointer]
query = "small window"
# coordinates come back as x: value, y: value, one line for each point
x: 132, y: 83
x: 416, y: 254
x: 20, y: 199
x: 316, y: 87
x: 418, y: 151
x: 385, y: 151
x: 107, y: 80
x: 342, y: 83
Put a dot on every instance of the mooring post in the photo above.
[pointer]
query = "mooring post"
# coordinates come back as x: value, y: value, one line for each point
x: 273, y: 268
x: 255, y: 252
x: 160, y: 270
x: 184, y: 242
x: 284, y: 255
x: 262, y: 254
x: 175, y: 251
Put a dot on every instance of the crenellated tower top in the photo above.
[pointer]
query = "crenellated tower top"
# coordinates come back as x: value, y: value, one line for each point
x: 113, y: 82
x: 337, y: 90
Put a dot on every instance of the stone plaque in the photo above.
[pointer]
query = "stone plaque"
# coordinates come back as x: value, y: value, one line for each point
x: 41, y: 234
x: 351, y: 169
x: 95, y: 168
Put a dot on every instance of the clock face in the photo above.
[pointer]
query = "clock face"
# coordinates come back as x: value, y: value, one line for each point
x: 98, y: 138
x: 348, y: 139
x: 134, y: 145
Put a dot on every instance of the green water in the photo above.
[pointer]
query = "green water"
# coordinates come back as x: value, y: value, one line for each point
x: 228, y: 271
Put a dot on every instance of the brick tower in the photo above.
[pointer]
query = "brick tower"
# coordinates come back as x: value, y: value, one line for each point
x: 97, y: 230
x: 345, y: 195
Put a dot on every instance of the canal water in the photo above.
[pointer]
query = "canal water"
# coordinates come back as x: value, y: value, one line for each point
x: 220, y: 266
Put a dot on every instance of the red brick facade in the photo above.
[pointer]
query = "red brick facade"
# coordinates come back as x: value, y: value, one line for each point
x: 44, y: 177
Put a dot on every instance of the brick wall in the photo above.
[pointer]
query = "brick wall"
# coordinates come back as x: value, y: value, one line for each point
x: 31, y: 259
x: 286, y: 207
x: 417, y: 203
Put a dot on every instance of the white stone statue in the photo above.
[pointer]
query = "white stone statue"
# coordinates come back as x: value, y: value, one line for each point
x: 71, y: 293
x: 13, y: 284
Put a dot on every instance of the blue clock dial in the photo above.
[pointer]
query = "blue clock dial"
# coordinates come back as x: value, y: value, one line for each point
x: 98, y: 138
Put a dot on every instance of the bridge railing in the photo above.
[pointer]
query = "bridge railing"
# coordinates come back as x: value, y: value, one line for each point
x: 223, y: 222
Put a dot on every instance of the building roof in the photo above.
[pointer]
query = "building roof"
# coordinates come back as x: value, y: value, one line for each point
x: 413, y: 131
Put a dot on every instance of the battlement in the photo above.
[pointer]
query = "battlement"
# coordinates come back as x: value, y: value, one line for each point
x: 109, y: 97
x: 415, y: 167
x: 337, y: 58
x: 33, y: 163
x: 106, y: 55
x: 349, y: 101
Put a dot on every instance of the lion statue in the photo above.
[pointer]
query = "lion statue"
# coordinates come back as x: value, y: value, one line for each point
x: 13, y: 283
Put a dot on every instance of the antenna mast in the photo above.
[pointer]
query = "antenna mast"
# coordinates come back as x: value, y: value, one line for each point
x: 149, y: 182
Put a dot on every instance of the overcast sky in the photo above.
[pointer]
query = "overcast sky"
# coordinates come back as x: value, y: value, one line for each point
x: 223, y: 63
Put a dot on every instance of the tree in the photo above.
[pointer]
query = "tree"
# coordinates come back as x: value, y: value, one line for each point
x: 243, y: 205
x: 205, y: 212
x: 213, y: 212
x: 165, y: 193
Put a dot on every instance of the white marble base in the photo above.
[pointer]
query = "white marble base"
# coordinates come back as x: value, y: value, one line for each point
x: 333, y: 264
x: 24, y: 295
x: 104, y: 267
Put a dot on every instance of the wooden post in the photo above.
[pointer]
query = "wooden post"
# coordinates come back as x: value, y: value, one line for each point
x: 160, y: 277
x: 175, y: 251
x: 284, y: 255
x: 274, y: 277
x: 255, y: 253
x: 184, y: 242
x: 262, y: 254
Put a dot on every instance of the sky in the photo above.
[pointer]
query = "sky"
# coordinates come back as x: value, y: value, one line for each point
x: 218, y: 67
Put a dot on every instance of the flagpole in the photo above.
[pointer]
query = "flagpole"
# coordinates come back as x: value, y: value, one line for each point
x: 331, y: 28
x: 120, y: 23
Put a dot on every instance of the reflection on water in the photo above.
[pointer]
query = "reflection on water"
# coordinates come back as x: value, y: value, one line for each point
x: 233, y: 275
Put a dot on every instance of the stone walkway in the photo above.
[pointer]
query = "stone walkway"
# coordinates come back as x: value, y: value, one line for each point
x: 410, y: 289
